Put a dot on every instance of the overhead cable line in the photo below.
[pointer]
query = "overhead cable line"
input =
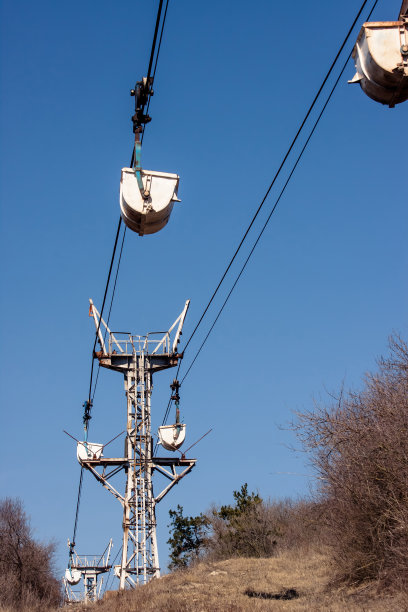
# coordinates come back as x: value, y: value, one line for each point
x: 157, y: 55
x: 88, y: 403
x: 266, y: 222
x: 276, y: 203
x: 110, y: 308
x: 103, y: 306
x: 263, y: 201
x: 154, y: 57
x: 276, y: 174
x: 109, y: 576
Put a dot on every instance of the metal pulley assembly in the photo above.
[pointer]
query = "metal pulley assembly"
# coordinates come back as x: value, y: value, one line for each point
x: 146, y: 197
x: 381, y: 59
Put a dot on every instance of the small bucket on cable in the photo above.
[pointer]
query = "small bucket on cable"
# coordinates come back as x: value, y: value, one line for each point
x: 171, y: 437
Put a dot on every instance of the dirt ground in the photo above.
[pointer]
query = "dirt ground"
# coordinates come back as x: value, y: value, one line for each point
x: 287, y: 582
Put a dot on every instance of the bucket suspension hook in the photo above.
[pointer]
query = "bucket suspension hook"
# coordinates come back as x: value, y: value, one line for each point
x: 142, y: 92
x: 87, y: 405
x: 175, y: 386
x: 144, y: 191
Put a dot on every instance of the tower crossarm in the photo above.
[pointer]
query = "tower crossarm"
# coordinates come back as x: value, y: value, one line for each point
x: 174, y: 478
x: 90, y: 465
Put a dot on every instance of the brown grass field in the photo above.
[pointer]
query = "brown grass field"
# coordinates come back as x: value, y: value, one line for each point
x: 250, y: 585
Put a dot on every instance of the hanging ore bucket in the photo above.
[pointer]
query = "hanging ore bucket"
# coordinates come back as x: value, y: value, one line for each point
x: 171, y: 437
x: 381, y: 58
x: 147, y: 209
x: 89, y: 450
x: 72, y: 576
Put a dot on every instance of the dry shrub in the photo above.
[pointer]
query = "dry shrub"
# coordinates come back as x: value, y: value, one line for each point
x: 26, y: 566
x: 264, y: 530
x: 359, y: 446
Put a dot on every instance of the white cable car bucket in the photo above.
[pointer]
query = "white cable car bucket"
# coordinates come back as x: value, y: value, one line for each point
x: 72, y: 576
x: 381, y: 58
x: 147, y: 215
x: 89, y: 450
x: 171, y: 437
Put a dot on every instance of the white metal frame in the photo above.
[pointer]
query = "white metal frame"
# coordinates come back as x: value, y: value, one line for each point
x: 91, y: 569
x: 138, y: 357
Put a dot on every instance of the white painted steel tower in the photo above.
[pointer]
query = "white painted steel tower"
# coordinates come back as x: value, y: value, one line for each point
x: 137, y: 358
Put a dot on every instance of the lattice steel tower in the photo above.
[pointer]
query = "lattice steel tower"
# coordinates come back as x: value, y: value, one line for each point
x: 137, y: 358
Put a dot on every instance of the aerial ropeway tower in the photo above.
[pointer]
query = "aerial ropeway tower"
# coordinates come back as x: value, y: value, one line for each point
x: 137, y: 358
x: 90, y: 569
x: 146, y: 199
x: 146, y: 202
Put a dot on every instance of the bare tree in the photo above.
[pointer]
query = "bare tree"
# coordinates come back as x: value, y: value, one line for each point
x: 359, y: 447
x: 26, y: 566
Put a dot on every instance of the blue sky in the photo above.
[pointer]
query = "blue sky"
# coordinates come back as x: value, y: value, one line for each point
x: 326, y: 285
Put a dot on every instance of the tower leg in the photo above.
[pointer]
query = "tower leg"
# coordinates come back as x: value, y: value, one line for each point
x: 139, y: 554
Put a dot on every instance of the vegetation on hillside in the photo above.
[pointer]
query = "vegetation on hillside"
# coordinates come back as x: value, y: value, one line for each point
x: 251, y: 527
x: 358, y: 445
x: 350, y: 535
x: 289, y: 581
x: 27, y: 580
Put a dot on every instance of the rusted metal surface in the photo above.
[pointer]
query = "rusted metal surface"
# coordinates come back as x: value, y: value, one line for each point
x: 381, y: 58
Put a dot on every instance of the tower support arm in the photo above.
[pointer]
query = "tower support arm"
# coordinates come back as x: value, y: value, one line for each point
x: 103, y: 482
x: 175, y: 479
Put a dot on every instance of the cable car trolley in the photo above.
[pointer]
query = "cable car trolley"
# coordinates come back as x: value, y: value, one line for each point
x: 146, y: 197
x: 381, y: 59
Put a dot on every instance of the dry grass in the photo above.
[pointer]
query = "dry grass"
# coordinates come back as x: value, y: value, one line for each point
x: 223, y: 586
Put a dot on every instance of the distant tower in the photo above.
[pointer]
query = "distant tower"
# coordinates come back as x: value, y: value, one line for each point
x: 137, y: 358
x: 89, y: 569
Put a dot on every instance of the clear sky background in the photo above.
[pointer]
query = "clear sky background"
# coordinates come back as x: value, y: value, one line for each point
x: 325, y: 287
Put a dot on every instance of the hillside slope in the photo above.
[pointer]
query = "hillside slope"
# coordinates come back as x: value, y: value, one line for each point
x: 287, y: 582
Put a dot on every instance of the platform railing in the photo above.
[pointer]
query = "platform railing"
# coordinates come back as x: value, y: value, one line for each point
x: 81, y: 561
x: 127, y: 344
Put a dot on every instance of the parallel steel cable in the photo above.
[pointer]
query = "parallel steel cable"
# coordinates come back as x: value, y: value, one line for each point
x: 81, y: 477
x: 157, y: 59
x: 112, y: 565
x: 276, y: 174
x: 158, y: 50
x: 77, y: 506
x: 268, y: 218
x: 103, y: 306
x: 156, y: 29
x: 110, y: 308
x: 152, y: 54
x: 265, y: 224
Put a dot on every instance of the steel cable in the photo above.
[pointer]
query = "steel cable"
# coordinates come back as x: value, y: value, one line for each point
x: 277, y: 173
x: 110, y: 308
x: 263, y: 201
x: 90, y: 394
x: 113, y: 575
x: 265, y: 224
